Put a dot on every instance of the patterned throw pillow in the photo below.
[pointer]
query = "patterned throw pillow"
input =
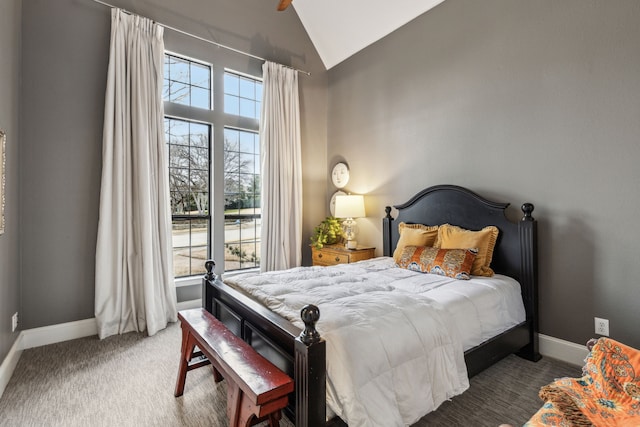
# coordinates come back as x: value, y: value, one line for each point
x: 453, y: 237
x: 414, y: 235
x: 455, y: 263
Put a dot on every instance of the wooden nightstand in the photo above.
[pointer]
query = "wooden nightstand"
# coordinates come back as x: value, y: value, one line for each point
x: 338, y: 254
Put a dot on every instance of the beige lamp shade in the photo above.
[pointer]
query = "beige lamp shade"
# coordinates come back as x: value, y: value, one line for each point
x: 349, y: 206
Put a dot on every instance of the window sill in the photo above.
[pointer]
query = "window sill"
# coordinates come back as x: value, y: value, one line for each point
x: 188, y: 281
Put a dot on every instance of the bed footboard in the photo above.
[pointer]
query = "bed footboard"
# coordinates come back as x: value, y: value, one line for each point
x: 299, y: 353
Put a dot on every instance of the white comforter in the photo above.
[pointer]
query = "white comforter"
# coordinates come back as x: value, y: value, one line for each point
x: 394, y: 353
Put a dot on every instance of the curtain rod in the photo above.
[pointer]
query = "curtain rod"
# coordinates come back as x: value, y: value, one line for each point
x: 203, y: 39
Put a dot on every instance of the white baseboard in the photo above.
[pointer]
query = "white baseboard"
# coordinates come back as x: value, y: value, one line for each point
x: 565, y: 351
x: 9, y: 363
x: 52, y: 334
x: 185, y: 305
x: 45, y: 335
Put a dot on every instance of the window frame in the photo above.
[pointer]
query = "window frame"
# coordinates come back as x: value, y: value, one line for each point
x: 218, y: 121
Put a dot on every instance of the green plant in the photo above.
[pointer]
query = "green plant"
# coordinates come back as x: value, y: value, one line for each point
x: 328, y: 232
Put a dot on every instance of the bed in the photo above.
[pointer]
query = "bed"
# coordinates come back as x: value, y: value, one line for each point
x: 297, y: 347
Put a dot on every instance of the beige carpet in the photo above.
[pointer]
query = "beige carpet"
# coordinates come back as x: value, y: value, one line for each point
x: 128, y: 380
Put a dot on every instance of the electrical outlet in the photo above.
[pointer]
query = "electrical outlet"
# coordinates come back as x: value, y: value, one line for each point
x: 14, y: 322
x: 602, y: 326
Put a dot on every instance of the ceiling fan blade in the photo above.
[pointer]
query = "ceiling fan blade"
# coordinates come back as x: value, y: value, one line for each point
x: 284, y: 4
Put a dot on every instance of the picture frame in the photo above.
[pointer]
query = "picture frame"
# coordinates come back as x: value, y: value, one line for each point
x: 3, y: 164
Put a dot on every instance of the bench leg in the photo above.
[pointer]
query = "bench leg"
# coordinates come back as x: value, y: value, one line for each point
x: 274, y: 419
x: 241, y: 412
x: 234, y: 404
x: 217, y: 376
x: 188, y: 344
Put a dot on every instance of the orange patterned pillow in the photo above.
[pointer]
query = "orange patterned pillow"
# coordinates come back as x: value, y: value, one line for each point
x: 414, y: 235
x: 453, y: 237
x: 455, y: 263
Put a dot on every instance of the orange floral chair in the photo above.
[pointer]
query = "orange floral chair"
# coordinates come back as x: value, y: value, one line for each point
x: 608, y: 394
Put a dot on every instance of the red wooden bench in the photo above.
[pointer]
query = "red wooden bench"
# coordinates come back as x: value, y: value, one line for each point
x: 256, y: 389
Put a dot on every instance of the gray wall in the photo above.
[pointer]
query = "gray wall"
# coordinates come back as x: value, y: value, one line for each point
x: 65, y: 55
x: 519, y: 100
x: 9, y: 107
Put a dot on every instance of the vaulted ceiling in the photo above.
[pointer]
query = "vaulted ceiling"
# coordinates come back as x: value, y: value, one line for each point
x: 340, y: 28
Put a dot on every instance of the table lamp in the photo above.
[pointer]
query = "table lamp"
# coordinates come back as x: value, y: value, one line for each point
x: 349, y: 207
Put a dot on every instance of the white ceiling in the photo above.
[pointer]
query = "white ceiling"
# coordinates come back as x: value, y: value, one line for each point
x: 340, y: 28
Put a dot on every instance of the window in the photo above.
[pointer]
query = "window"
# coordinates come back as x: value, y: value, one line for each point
x: 241, y: 199
x: 187, y: 82
x: 194, y: 131
x: 189, y: 174
x: 242, y: 95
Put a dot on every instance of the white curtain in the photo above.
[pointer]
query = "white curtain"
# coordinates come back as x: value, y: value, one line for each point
x: 134, y: 272
x: 281, y: 237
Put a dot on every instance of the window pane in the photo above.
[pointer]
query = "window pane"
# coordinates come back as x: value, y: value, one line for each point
x: 200, y: 75
x: 242, y: 244
x: 246, y: 163
x: 181, y: 248
x: 179, y: 188
x: 232, y: 161
x: 231, y: 104
x: 231, y: 139
x: 199, y: 234
x: 179, y: 93
x: 177, y: 205
x: 199, y: 135
x: 179, y: 70
x: 178, y: 132
x: 256, y: 162
x: 259, y: 92
x: 199, y: 158
x: 242, y: 95
x: 186, y: 82
x: 247, y: 142
x: 179, y: 179
x: 190, y: 246
x: 198, y: 258
x: 167, y: 62
x: 255, y: 188
x: 201, y: 201
x: 178, y: 156
x: 200, y: 98
x: 247, y: 108
x: 231, y: 84
x: 250, y: 243
x: 199, y: 181
x: 247, y: 88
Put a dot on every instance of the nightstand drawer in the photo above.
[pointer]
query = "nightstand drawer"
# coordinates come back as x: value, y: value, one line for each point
x: 338, y: 254
x: 327, y: 257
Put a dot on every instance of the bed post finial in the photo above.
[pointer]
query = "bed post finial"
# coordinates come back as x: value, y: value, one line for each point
x: 209, y: 265
x: 527, y: 208
x: 387, y: 209
x: 310, y: 314
x: 310, y: 373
